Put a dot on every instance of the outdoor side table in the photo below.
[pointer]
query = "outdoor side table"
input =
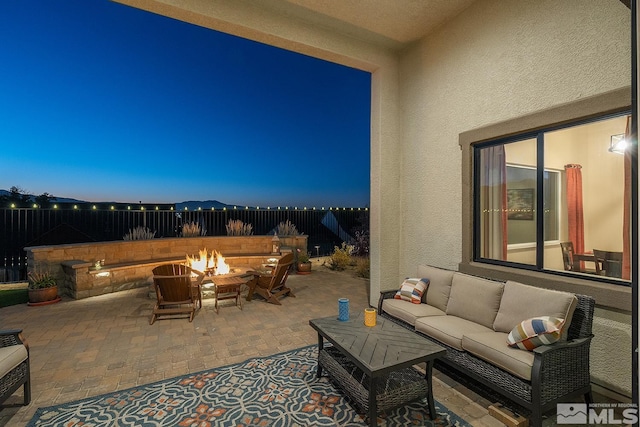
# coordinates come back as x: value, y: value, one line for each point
x: 228, y: 286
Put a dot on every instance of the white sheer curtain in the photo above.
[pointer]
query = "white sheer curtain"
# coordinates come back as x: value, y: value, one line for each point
x: 493, y: 203
x: 626, y: 216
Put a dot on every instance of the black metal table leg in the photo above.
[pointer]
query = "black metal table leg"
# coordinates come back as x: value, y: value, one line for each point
x: 428, y: 378
x: 320, y: 347
x: 373, y: 407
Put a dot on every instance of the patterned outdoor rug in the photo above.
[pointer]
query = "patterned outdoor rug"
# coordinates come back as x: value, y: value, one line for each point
x: 279, y: 390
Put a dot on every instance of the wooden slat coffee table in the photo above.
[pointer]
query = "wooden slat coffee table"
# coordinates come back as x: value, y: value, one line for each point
x: 374, y: 364
x: 228, y: 286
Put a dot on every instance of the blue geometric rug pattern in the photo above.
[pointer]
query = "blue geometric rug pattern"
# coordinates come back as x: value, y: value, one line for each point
x: 275, y: 391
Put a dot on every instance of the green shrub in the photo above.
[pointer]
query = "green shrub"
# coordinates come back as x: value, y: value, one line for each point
x: 302, y: 256
x: 236, y: 227
x: 13, y: 297
x: 341, y: 257
x: 41, y: 280
x: 139, y: 233
x: 362, y: 266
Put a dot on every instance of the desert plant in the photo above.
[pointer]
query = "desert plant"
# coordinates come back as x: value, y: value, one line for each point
x: 361, y: 243
x: 236, y: 227
x: 303, y: 256
x: 139, y: 233
x: 192, y: 229
x: 341, y: 257
x: 361, y: 235
x: 287, y: 228
x: 41, y: 279
x: 362, y: 267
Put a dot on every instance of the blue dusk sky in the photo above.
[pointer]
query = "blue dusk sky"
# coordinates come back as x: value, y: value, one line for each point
x: 103, y: 102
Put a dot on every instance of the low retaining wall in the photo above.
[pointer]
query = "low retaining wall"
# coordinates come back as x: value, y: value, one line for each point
x: 129, y: 264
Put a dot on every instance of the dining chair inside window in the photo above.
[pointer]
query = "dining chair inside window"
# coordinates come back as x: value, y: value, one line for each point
x: 567, y: 256
x: 576, y: 262
x: 610, y: 263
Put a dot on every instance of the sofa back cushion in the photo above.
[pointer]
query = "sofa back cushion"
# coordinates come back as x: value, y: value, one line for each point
x: 439, y: 288
x: 475, y: 299
x: 521, y: 302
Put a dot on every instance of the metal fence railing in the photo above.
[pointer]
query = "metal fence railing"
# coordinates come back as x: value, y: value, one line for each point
x: 24, y: 227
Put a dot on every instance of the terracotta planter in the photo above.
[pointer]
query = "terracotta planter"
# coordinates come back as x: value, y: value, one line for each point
x: 43, y: 296
x: 304, y: 268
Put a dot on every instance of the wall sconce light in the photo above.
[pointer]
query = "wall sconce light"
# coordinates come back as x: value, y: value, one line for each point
x: 618, y: 144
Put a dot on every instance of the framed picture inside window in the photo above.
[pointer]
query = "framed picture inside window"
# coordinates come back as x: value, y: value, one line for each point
x: 520, y: 204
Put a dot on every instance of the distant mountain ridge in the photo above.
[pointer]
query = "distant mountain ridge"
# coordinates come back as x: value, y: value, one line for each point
x: 193, y: 205
x: 190, y: 204
x: 54, y: 199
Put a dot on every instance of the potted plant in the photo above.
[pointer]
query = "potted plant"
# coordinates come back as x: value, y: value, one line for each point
x: 304, y: 264
x: 43, y: 288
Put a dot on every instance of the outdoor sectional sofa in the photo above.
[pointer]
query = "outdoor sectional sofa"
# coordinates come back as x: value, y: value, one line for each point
x: 473, y: 317
x: 14, y: 365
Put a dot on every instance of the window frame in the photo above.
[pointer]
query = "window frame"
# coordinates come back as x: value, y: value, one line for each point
x: 613, y: 295
x: 540, y: 169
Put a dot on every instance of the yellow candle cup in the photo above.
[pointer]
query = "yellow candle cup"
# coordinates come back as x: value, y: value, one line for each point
x: 370, y: 317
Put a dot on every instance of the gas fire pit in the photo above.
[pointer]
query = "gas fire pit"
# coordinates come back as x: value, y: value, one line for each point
x: 211, y: 265
x: 221, y: 281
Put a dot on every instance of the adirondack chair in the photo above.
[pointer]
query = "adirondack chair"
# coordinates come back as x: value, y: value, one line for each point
x: 177, y: 290
x: 272, y: 285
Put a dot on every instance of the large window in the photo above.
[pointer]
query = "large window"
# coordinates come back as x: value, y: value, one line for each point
x: 556, y: 200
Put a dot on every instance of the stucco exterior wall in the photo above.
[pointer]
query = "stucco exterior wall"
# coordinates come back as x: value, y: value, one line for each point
x: 611, y: 350
x: 496, y: 61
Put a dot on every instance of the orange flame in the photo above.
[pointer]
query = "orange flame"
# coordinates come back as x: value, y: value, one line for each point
x: 204, y: 263
x: 221, y: 266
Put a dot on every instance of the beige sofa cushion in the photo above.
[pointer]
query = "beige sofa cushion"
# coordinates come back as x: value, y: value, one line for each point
x: 439, y: 288
x: 475, y: 299
x: 407, y: 311
x: 521, y: 302
x: 492, y: 347
x: 449, y: 329
x: 10, y: 357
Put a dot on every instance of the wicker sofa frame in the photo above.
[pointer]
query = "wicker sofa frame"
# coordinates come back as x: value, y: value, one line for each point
x: 18, y: 376
x: 560, y: 371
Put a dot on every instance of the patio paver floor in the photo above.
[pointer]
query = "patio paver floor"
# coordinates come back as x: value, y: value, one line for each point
x: 103, y: 344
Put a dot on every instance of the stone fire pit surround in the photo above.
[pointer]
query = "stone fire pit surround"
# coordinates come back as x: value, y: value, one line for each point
x: 129, y: 264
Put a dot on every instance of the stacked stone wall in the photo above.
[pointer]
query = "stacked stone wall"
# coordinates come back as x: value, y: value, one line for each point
x: 89, y: 269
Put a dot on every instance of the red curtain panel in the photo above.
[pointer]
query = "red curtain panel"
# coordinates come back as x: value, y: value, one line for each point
x: 575, y: 210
